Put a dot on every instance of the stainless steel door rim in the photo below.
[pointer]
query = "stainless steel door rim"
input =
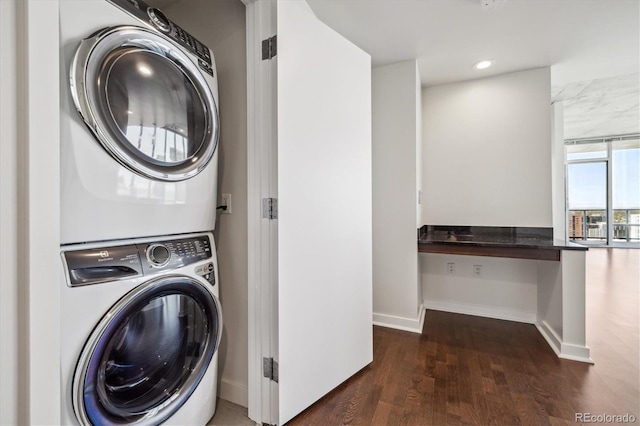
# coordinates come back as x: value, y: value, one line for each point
x: 159, y: 387
x: 146, y: 102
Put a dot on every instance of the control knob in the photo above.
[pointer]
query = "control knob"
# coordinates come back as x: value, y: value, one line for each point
x: 159, y: 19
x: 158, y: 255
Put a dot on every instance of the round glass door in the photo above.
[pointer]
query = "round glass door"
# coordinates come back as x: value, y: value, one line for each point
x: 146, y: 102
x: 148, y: 353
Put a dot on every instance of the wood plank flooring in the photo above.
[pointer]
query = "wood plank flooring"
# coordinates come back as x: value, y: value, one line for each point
x: 471, y: 370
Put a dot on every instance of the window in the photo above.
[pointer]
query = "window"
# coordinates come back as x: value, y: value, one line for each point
x: 603, y: 182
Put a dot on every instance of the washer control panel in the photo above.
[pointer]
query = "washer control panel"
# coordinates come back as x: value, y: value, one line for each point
x: 111, y: 263
x: 172, y: 254
x: 158, y: 20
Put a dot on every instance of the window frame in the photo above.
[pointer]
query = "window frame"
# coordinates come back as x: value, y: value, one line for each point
x: 608, y: 160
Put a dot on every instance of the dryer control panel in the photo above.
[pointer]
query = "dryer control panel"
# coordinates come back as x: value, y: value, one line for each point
x: 115, y: 262
x: 158, y: 20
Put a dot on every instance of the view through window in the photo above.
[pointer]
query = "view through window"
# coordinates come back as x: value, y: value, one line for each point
x: 603, y: 190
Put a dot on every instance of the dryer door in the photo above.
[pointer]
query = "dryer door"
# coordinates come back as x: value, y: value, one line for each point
x: 148, y: 353
x: 146, y: 102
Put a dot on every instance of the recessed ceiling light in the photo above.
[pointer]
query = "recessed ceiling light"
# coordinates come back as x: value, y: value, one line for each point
x: 484, y: 64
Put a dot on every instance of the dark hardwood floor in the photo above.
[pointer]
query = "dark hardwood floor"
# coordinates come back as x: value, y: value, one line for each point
x: 471, y: 370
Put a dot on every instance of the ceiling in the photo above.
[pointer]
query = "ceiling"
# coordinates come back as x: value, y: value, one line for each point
x: 579, y: 39
x: 591, y: 46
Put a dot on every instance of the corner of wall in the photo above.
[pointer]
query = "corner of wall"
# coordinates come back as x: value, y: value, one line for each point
x: 396, y: 160
x: 235, y: 392
x: 413, y: 325
x: 558, y: 172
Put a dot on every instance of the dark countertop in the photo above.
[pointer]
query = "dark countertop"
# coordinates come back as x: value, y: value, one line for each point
x: 494, y: 236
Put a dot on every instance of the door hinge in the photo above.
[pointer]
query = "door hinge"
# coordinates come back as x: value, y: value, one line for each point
x: 270, y: 208
x: 269, y: 47
x: 270, y: 369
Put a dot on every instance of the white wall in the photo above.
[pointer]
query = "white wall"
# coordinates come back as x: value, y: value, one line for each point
x: 487, y: 151
x: 396, y: 137
x: 418, y: 103
x: 30, y: 196
x: 221, y: 25
x: 506, y: 289
x: 9, y: 297
x: 549, y: 312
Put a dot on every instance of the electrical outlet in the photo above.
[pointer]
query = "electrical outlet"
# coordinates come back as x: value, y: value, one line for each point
x: 477, y: 270
x: 226, y: 201
x: 451, y: 268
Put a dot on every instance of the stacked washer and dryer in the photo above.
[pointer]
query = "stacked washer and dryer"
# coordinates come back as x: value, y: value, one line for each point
x: 141, y: 321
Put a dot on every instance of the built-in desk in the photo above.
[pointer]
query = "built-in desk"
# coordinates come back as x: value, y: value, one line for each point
x: 561, y: 274
x: 494, y: 241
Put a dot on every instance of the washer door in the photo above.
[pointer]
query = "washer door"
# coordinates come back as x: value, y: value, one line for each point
x: 148, y: 353
x: 146, y: 102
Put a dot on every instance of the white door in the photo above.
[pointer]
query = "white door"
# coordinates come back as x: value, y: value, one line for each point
x: 324, y: 208
x: 320, y: 299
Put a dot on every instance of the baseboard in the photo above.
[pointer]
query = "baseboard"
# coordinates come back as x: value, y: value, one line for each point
x: 234, y: 392
x: 480, y: 311
x: 400, y: 323
x: 564, y: 350
x: 550, y: 336
x: 423, y: 311
x: 576, y: 353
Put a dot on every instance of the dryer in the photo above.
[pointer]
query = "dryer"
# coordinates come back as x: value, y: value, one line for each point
x: 140, y: 328
x: 139, y: 124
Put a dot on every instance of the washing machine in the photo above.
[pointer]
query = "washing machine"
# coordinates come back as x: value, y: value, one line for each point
x: 140, y: 328
x: 139, y: 124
